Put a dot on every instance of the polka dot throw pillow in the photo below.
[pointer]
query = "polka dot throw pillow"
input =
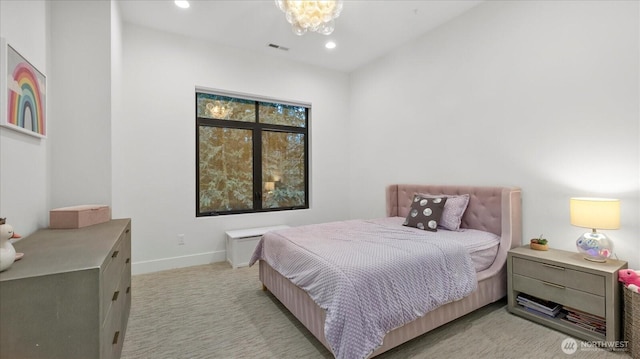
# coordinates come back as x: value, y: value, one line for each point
x: 425, y: 212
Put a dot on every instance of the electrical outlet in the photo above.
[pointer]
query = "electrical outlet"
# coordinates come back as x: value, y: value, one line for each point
x: 181, y: 239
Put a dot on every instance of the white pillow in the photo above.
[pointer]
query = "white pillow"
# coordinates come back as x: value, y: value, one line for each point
x: 454, y: 209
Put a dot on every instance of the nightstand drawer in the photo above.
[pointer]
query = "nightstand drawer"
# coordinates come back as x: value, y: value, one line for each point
x: 587, y: 302
x: 582, y: 281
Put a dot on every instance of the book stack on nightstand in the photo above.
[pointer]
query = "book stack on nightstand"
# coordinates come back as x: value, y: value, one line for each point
x: 585, y: 320
x: 539, y: 306
x: 563, y: 291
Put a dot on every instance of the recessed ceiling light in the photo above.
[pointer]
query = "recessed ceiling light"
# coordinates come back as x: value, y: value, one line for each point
x: 182, y: 4
x: 330, y: 45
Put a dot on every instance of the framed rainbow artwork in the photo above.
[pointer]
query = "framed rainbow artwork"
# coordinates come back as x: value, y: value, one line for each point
x: 22, y: 93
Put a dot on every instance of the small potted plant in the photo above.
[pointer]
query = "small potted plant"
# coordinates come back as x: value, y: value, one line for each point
x: 539, y: 244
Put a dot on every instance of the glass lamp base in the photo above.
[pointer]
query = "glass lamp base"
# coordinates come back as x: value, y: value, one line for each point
x: 594, y: 246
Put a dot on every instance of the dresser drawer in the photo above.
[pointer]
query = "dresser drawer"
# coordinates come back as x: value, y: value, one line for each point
x: 126, y: 293
x: 582, y: 281
x: 112, y: 335
x: 586, y: 302
x: 117, y: 317
x: 118, y: 260
x: 126, y: 304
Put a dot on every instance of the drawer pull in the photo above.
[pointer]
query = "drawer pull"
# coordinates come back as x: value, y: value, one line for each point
x: 115, y: 337
x: 554, y: 285
x: 127, y: 230
x: 128, y: 260
x: 128, y: 290
x: 552, y: 266
x: 115, y: 295
x: 115, y: 254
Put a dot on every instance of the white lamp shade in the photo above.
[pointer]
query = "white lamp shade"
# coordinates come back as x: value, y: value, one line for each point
x: 595, y: 213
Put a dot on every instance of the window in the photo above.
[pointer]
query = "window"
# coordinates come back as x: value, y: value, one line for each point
x: 252, y: 155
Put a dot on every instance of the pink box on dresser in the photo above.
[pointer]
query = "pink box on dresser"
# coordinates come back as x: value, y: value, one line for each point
x: 79, y: 216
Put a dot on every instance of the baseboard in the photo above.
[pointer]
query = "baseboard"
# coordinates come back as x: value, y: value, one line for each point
x: 158, y: 265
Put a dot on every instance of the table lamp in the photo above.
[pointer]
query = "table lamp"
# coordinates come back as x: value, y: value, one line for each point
x: 595, y: 213
x: 269, y: 186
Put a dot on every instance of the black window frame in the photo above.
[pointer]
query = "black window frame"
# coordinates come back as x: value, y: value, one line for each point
x: 257, y: 129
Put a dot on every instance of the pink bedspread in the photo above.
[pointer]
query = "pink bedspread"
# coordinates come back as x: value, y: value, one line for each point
x: 370, y: 276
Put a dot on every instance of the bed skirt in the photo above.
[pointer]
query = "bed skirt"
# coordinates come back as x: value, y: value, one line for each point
x: 298, y: 302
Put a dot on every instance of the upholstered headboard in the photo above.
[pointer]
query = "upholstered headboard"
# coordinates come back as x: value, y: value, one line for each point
x: 484, y: 212
x: 491, y: 209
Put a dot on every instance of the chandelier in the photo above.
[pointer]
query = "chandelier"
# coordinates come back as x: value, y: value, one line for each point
x: 316, y: 16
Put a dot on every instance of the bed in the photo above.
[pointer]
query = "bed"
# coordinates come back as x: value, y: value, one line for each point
x: 494, y: 210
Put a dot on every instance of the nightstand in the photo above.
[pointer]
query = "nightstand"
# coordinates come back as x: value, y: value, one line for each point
x: 568, y: 279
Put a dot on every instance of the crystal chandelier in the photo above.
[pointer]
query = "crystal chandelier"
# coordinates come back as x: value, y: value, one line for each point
x: 311, y: 15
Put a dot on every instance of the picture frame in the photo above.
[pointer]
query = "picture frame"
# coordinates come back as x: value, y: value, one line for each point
x: 22, y: 93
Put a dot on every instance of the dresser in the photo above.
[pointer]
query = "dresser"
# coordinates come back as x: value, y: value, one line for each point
x: 69, y: 297
x: 570, y: 280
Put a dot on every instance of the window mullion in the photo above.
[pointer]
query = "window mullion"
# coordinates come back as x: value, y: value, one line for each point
x: 257, y: 163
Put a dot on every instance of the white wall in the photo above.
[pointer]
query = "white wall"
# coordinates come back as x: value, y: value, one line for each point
x: 154, y: 142
x: 534, y: 94
x: 80, y: 106
x: 69, y: 42
x: 116, y: 80
x: 24, y: 175
x: 537, y: 94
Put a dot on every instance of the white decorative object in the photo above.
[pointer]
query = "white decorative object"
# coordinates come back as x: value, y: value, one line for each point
x: 242, y: 242
x: 316, y: 16
x: 7, y: 252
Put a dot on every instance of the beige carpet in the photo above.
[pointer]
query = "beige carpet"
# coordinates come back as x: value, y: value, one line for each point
x: 214, y: 311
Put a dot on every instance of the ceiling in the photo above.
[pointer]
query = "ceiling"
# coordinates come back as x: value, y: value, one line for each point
x: 364, y: 31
